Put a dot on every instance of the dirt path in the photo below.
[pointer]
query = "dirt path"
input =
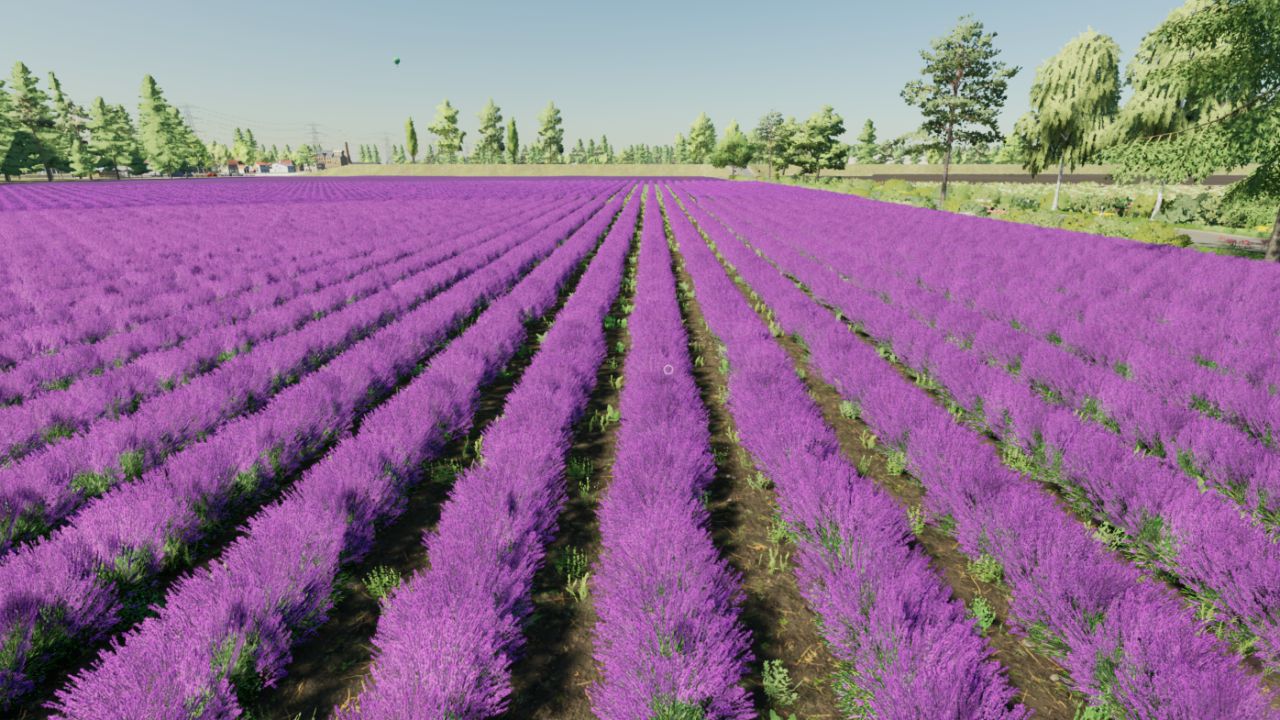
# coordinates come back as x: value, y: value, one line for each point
x: 743, y: 512
x: 551, y: 681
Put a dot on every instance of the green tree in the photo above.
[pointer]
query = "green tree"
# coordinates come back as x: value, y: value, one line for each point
x: 70, y: 126
x: 6, y: 130
x: 377, y: 154
x: 815, y: 145
x: 448, y: 136
x: 411, y: 140
x: 35, y: 137
x: 578, y: 154
x: 513, y: 142
x: 551, y: 135
x: 962, y: 93
x: 490, y: 148
x: 682, y: 149
x: 734, y: 149
x: 1162, y: 102
x: 1075, y: 94
x: 867, y: 149
x: 111, y: 141
x: 702, y: 139
x: 766, y: 136
x: 1226, y: 50
x: 163, y: 142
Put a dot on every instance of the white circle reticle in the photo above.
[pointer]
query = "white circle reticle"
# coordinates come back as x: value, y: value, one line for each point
x: 667, y: 369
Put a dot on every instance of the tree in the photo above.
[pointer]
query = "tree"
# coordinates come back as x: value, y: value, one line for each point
x: 35, y: 137
x: 1230, y: 53
x: 766, y: 136
x: 6, y: 130
x: 1075, y: 94
x: 1162, y: 102
x: 867, y: 150
x: 578, y: 154
x: 551, y: 135
x: 702, y: 139
x: 962, y: 93
x: 814, y: 145
x: 111, y: 141
x: 448, y: 137
x: 681, y: 149
x: 158, y: 127
x: 734, y: 150
x: 606, y: 150
x: 491, y: 147
x: 411, y: 139
x: 69, y: 125
x: 377, y: 154
x: 513, y: 142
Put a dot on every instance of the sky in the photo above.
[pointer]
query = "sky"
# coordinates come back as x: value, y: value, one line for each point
x: 638, y: 71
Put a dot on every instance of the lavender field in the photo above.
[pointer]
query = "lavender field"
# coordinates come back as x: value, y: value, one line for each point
x: 624, y: 449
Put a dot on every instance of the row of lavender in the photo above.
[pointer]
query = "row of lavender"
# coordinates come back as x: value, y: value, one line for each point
x: 447, y: 638
x: 81, y: 277
x: 200, y: 350
x: 1230, y: 562
x: 45, y: 487
x: 1127, y: 643
x: 240, y: 616
x: 326, y: 253
x: 883, y: 609
x: 668, y: 634
x: 1164, y: 400
x: 150, y: 525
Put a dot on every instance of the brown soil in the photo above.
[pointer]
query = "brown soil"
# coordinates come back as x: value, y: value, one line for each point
x: 551, y: 680
x: 782, y: 625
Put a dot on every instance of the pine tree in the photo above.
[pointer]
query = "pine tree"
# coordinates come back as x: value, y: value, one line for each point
x: 513, y: 142
x: 128, y: 133
x: 411, y: 139
x: 702, y: 139
x: 867, y: 149
x: 377, y: 155
x: 606, y: 150
x: 681, y: 153
x: 69, y: 123
x: 766, y: 136
x: 490, y: 148
x: 6, y: 130
x: 550, y: 135
x: 448, y: 137
x: 1075, y: 94
x: 962, y: 93
x: 110, y: 143
x: 162, y: 141
x: 34, y: 141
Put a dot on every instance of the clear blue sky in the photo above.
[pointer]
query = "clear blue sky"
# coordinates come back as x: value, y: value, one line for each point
x: 639, y: 71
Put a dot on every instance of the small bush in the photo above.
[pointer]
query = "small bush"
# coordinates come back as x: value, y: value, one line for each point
x: 777, y: 684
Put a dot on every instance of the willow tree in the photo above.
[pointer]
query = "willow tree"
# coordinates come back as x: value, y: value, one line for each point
x: 962, y: 93
x: 1162, y: 102
x: 1232, y: 47
x: 1075, y: 94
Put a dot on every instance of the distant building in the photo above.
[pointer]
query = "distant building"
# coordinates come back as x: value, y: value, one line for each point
x: 283, y: 167
x: 262, y: 167
x: 234, y: 167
